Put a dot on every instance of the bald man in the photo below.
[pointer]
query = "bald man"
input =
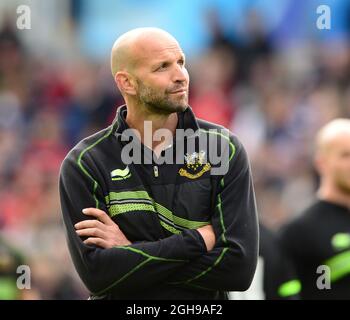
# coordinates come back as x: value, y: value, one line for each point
x: 319, y: 240
x: 146, y: 229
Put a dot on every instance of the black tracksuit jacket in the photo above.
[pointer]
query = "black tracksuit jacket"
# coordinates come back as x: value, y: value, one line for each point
x: 317, y: 239
x: 159, y: 207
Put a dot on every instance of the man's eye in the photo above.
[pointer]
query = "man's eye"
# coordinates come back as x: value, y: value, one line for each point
x: 163, y: 66
x: 181, y: 62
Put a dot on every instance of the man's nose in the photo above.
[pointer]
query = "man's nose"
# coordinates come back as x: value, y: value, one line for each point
x: 180, y: 74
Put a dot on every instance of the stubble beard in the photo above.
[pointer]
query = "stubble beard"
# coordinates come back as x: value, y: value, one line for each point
x: 162, y: 103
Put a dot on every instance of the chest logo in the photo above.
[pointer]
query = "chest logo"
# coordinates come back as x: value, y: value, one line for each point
x: 196, y: 165
x: 120, y: 174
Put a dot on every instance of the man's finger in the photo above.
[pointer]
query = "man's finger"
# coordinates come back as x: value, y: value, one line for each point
x: 89, y: 224
x: 91, y: 232
x: 96, y: 241
x: 99, y: 214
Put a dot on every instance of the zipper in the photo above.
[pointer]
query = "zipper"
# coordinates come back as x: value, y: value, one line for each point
x: 156, y: 171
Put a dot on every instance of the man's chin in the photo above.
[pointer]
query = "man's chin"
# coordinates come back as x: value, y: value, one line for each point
x: 182, y: 106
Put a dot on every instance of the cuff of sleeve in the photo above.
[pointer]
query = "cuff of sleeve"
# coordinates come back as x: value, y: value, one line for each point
x: 194, y: 243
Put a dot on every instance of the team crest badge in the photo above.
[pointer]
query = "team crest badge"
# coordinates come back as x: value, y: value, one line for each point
x: 196, y: 165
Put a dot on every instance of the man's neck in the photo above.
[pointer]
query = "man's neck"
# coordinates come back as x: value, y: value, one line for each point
x: 332, y: 195
x: 136, y: 120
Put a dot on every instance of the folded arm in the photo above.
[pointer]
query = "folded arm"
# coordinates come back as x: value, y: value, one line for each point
x: 128, y: 267
x: 230, y: 266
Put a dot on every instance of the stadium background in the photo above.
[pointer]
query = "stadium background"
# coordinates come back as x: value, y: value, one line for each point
x: 261, y: 68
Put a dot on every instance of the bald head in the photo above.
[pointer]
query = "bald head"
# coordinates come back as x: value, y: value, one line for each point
x: 131, y: 47
x: 148, y: 67
x: 332, y: 160
x: 331, y: 133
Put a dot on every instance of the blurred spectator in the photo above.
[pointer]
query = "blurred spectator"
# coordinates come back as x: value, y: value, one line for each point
x: 212, y: 76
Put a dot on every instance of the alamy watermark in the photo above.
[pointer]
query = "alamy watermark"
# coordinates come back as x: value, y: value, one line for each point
x: 23, y: 17
x: 24, y: 278
x: 323, y: 281
x: 190, y: 147
x: 323, y: 21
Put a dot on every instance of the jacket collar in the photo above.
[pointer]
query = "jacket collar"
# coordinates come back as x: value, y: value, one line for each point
x: 186, y: 120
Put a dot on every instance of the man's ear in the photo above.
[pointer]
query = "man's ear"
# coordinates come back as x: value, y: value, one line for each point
x: 320, y: 162
x: 125, y: 82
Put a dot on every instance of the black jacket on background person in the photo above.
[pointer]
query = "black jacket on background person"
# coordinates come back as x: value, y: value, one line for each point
x: 318, y: 242
x: 280, y: 279
x: 159, y: 207
x: 275, y: 277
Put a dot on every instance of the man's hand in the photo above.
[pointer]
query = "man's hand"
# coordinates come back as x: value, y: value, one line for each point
x: 102, y: 232
x: 207, y: 232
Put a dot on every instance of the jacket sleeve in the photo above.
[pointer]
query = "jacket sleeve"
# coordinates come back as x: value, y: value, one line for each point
x: 120, y: 267
x: 279, y: 276
x: 231, y: 264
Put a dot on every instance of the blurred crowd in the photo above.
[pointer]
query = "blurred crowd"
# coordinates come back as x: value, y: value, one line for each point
x: 274, y: 99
